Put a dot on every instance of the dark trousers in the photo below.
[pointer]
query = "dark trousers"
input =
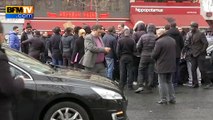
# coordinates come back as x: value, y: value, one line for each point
x: 6, y: 115
x: 146, y: 73
x: 199, y: 61
x: 66, y: 60
x: 176, y: 74
x: 126, y: 65
x: 135, y: 68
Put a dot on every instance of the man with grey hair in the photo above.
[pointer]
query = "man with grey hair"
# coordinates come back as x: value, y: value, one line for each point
x: 164, y: 54
x: 125, y: 52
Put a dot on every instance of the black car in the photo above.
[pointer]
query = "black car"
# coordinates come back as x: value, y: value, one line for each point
x: 63, y: 94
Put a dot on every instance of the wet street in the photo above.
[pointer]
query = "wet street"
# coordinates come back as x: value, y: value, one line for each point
x: 192, y: 104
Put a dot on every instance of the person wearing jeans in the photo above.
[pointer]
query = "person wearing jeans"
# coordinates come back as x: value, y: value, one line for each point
x: 165, y: 81
x: 110, y: 41
x: 164, y: 54
x: 54, y: 47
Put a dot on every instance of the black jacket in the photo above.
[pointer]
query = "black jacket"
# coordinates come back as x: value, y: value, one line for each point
x: 146, y: 45
x: 8, y: 86
x: 175, y: 34
x: 24, y: 47
x: 36, y: 47
x: 125, y: 46
x: 111, y: 42
x: 164, y: 54
x: 54, y: 46
x: 78, y: 50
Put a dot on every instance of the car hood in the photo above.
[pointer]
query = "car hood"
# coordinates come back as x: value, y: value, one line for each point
x: 82, y: 78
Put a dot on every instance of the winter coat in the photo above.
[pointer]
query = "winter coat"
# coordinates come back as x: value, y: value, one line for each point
x: 36, y: 47
x: 24, y: 47
x: 14, y: 42
x: 164, y: 54
x: 146, y: 45
x: 78, y: 50
x: 175, y: 34
x: 196, y: 43
x: 8, y: 86
x: 111, y: 42
x: 126, y: 46
x: 54, y: 46
x: 66, y: 45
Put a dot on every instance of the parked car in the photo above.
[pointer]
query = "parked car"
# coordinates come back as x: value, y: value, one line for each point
x: 209, y: 62
x: 63, y: 94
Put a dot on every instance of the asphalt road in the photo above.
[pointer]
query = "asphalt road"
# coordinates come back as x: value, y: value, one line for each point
x: 192, y: 104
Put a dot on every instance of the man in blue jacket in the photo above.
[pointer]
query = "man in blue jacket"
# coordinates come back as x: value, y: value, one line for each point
x: 14, y: 42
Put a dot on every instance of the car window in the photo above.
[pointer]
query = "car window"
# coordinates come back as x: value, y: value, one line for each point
x: 15, y: 71
x: 29, y: 62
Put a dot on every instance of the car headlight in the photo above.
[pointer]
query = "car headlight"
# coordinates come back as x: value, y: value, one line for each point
x: 107, y: 94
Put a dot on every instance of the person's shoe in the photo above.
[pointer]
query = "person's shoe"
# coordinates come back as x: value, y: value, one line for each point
x: 208, y: 86
x: 134, y: 83
x: 162, y: 102
x: 139, y: 90
x: 172, y: 102
x: 195, y: 86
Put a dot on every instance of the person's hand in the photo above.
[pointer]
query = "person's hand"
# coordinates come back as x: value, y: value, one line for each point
x: 107, y: 49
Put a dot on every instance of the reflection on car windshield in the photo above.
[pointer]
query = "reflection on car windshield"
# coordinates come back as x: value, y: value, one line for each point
x: 28, y: 62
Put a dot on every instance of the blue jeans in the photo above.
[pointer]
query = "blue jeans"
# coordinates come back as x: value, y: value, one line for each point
x: 166, y: 88
x: 57, y: 61
x: 110, y: 67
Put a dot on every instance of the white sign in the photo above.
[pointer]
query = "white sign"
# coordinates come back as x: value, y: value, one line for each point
x: 207, y: 9
x: 207, y: 5
x: 148, y: 10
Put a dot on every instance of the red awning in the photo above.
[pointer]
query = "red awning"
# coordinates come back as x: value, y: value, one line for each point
x: 161, y: 20
x: 48, y: 25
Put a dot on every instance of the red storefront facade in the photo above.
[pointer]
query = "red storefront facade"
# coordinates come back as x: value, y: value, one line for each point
x: 149, y: 12
x: 160, y: 13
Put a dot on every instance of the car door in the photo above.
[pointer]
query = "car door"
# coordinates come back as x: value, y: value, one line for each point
x: 24, y: 104
x: 209, y: 62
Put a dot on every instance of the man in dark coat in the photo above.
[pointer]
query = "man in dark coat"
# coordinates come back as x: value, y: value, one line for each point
x: 125, y: 51
x: 164, y: 54
x: 27, y: 34
x: 139, y: 31
x: 175, y: 34
x: 54, y: 47
x: 197, y: 44
x: 110, y: 41
x: 145, y: 47
x: 8, y: 86
x: 66, y: 46
x: 36, y: 46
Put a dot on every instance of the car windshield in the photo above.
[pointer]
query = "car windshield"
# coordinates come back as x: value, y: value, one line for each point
x: 28, y: 62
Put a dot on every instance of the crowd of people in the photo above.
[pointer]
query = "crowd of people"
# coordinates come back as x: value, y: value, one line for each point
x: 142, y: 54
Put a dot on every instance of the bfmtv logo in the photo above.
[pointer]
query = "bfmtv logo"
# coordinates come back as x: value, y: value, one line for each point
x: 25, y: 12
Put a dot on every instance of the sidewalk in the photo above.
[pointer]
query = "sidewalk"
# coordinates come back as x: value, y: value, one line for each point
x: 192, y: 104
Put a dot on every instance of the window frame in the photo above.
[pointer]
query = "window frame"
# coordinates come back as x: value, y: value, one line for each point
x: 17, y: 67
